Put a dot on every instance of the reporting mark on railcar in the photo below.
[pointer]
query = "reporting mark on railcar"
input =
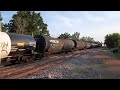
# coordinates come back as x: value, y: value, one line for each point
x: 54, y: 41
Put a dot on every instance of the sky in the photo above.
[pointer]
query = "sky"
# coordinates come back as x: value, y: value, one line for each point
x: 96, y: 24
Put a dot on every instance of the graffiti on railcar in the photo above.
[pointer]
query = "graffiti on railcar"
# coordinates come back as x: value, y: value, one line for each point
x: 4, y: 46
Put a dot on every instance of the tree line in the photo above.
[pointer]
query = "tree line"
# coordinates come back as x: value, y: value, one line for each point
x: 31, y: 23
x: 112, y: 40
x: 26, y: 22
x: 76, y: 36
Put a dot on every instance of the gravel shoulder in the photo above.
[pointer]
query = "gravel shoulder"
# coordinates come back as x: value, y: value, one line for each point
x: 98, y: 63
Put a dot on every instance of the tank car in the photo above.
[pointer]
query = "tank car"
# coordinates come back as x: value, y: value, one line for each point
x: 79, y: 44
x: 18, y: 47
x: 20, y: 42
x: 69, y: 45
x: 94, y: 45
x: 88, y: 45
x: 15, y: 46
x: 5, y: 45
x: 48, y: 44
x: 100, y: 45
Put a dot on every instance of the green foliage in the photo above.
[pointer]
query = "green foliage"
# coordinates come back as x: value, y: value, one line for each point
x: 83, y: 38
x: 88, y: 39
x: 3, y: 26
x: 0, y: 17
x: 27, y: 22
x: 115, y: 50
x: 112, y: 40
x: 65, y: 36
x: 76, y: 35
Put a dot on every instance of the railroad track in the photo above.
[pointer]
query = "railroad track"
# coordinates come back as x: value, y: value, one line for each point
x: 4, y: 67
x: 22, y: 71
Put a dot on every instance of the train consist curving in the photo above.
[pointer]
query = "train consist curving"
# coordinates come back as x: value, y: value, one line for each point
x: 17, y: 47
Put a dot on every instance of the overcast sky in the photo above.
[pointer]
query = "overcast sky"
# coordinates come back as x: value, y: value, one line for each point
x: 95, y: 24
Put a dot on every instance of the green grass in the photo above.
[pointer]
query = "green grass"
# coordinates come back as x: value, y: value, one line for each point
x: 107, y: 52
x: 110, y: 53
x: 117, y: 55
x: 105, y: 48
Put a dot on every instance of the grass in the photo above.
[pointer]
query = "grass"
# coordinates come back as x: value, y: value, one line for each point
x: 110, y: 53
x: 117, y: 55
x: 105, y: 48
x: 107, y: 53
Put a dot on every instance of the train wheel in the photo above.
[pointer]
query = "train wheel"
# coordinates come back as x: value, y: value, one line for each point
x: 13, y: 62
x: 19, y: 59
x: 33, y: 57
x: 22, y: 59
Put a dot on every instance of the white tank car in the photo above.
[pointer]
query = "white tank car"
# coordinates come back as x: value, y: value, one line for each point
x: 5, y: 45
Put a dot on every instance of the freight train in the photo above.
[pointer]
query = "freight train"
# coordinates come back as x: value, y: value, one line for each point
x: 18, y: 47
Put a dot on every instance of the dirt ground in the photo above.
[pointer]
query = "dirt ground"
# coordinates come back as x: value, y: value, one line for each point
x: 102, y: 62
x: 110, y: 69
x: 98, y: 63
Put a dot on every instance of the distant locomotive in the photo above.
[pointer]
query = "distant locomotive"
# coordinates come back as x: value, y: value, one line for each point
x: 18, y: 47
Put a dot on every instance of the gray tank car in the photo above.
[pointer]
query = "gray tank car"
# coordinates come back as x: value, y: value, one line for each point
x: 17, y: 45
x: 20, y: 43
x: 48, y: 44
x: 88, y: 45
x: 68, y: 45
x: 79, y: 44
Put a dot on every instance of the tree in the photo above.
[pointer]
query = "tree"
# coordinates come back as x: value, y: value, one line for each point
x: 0, y: 17
x: 88, y: 39
x: 76, y: 35
x: 112, y: 40
x: 27, y: 22
x: 2, y: 25
x: 0, y: 21
x: 37, y: 24
x: 83, y: 38
x: 65, y: 36
x: 19, y: 22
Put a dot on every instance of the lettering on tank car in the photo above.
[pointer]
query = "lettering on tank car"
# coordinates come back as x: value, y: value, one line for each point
x: 54, y: 41
x: 52, y: 45
x: 4, y: 46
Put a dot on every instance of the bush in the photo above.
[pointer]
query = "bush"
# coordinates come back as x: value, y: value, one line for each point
x: 112, y: 40
x: 115, y: 50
